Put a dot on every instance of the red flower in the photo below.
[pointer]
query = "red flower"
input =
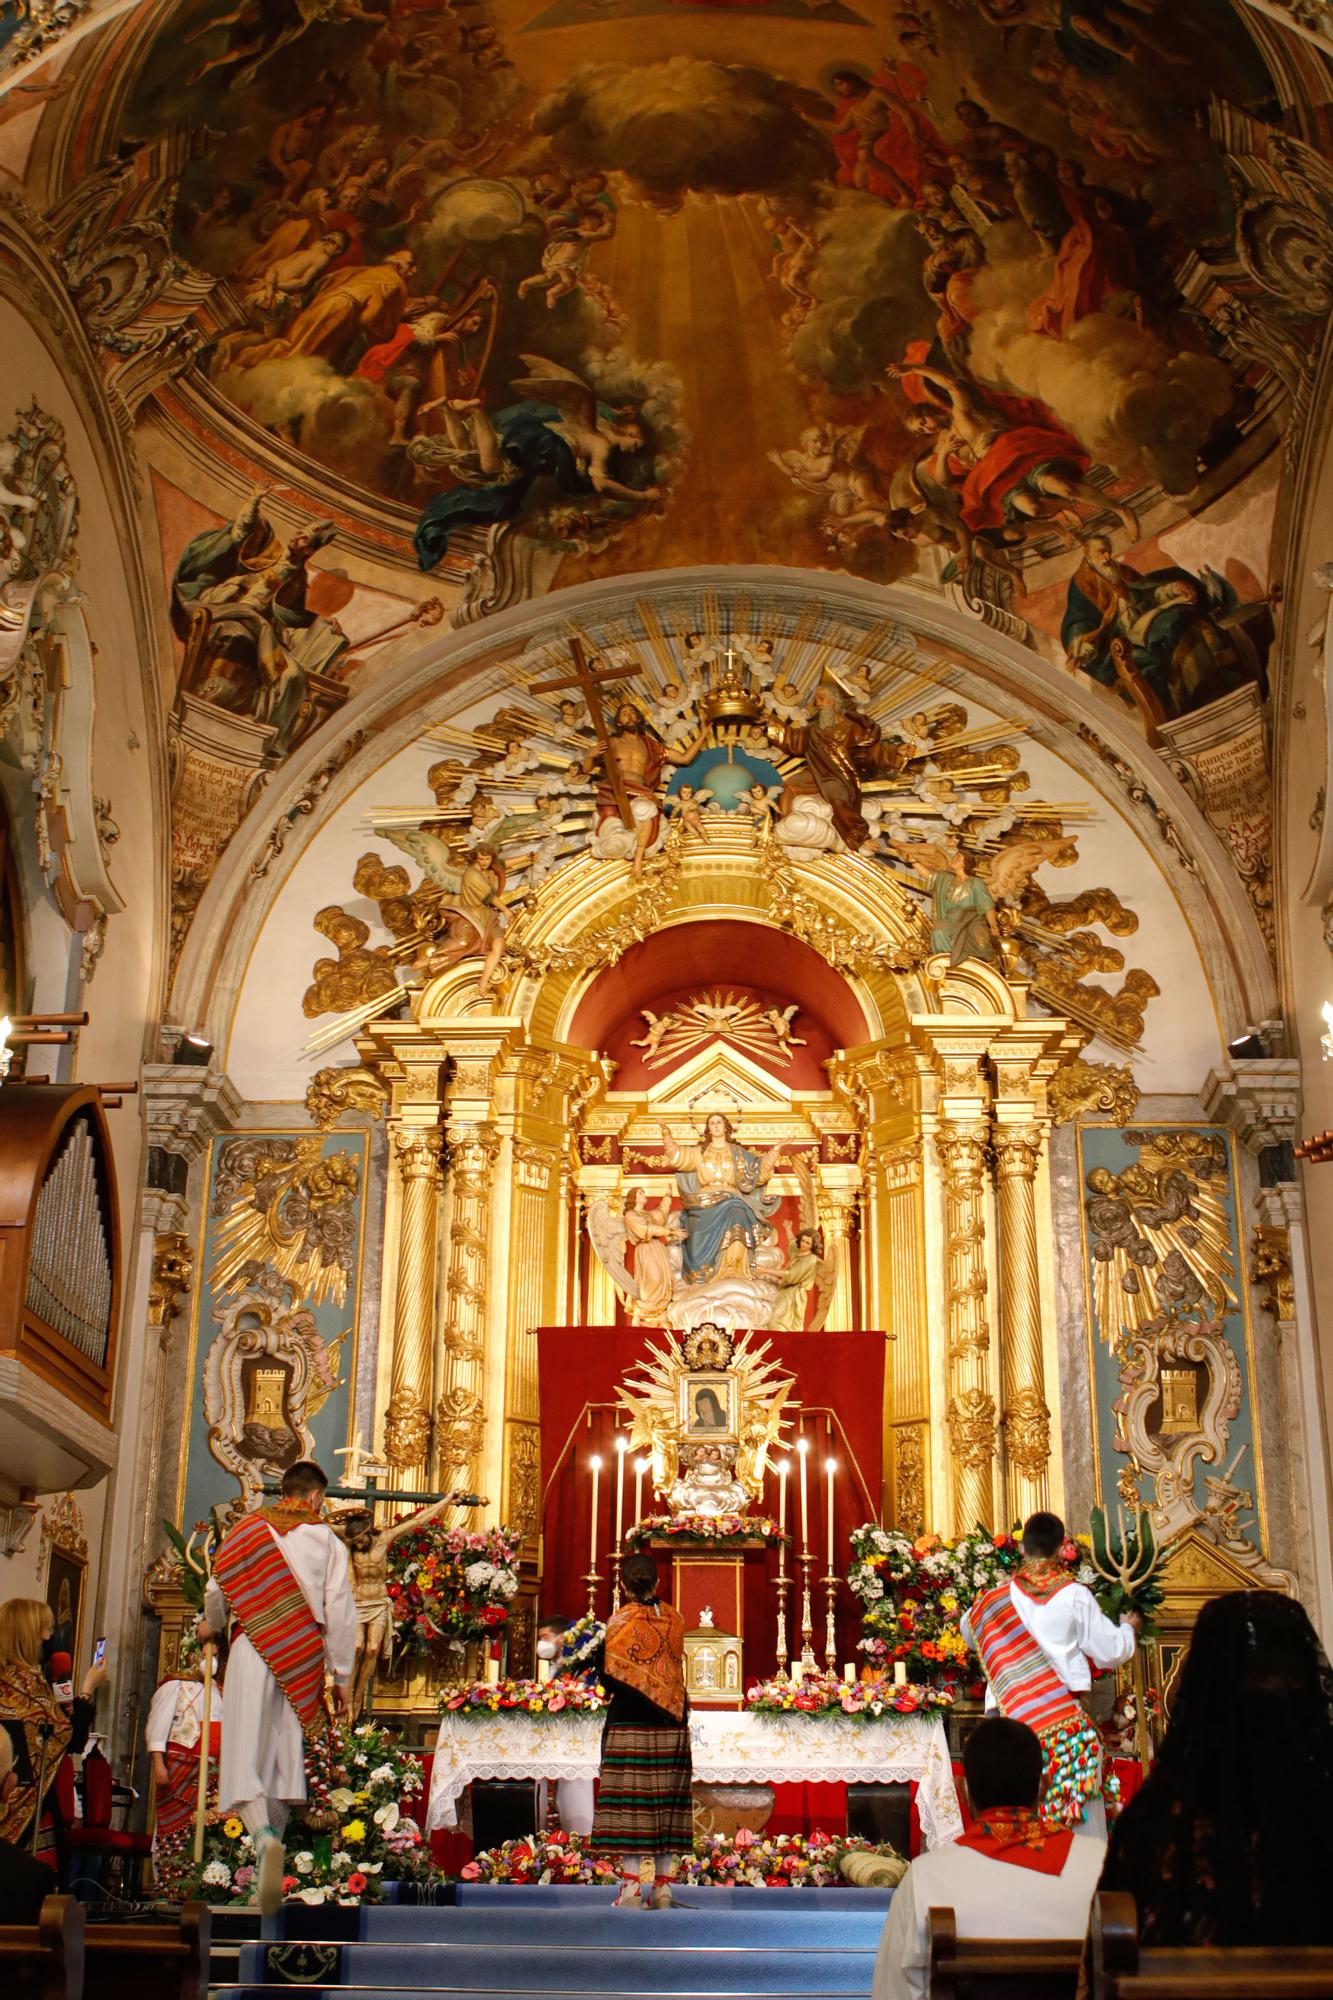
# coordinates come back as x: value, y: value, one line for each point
x: 357, y: 1883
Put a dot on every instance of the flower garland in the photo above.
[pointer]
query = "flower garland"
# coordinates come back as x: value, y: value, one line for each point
x: 350, y: 1836
x: 448, y: 1585
x: 582, y: 1642
x: 715, y: 1529
x: 564, y: 1694
x: 825, y: 1698
x: 736, y: 1861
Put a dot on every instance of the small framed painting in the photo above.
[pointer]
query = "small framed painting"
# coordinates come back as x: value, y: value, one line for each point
x: 707, y: 1408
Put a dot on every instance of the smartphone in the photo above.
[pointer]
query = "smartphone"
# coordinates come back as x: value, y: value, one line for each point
x: 99, y: 1652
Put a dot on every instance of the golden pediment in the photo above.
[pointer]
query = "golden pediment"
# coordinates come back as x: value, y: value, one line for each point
x: 1197, y: 1569
x: 719, y: 1078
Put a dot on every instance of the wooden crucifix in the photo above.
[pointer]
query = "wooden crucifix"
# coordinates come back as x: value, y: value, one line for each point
x: 588, y: 680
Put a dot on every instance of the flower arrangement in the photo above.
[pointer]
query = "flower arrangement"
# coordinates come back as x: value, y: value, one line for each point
x: 582, y: 1643
x: 825, y: 1698
x: 350, y: 1836
x: 711, y: 1528
x: 741, y: 1860
x: 550, y: 1857
x: 563, y: 1694
x: 449, y: 1585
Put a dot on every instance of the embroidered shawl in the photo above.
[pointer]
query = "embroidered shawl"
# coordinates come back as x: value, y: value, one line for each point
x: 645, y: 1648
x: 1041, y: 1578
x: 1021, y: 1837
x: 270, y: 1605
x: 25, y: 1703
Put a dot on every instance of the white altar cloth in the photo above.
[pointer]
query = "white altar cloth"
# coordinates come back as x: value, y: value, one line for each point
x: 729, y: 1747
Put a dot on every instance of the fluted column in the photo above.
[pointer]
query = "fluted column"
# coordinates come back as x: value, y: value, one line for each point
x: 1025, y: 1420
x: 461, y: 1411
x: 416, y: 1151
x: 970, y: 1414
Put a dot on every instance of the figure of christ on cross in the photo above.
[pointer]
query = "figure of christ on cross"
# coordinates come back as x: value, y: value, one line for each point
x: 631, y: 755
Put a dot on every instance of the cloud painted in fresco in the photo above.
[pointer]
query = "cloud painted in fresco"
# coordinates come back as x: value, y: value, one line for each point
x: 681, y: 126
x: 867, y: 281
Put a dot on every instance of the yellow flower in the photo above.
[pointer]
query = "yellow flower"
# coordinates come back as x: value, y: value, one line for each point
x: 354, y: 1830
x: 233, y: 1828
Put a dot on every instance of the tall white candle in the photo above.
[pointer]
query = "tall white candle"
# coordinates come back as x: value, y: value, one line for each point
x: 640, y: 1467
x: 783, y: 1470
x: 622, y: 1446
x: 803, y: 1452
x: 543, y: 1670
x: 830, y: 1467
x: 849, y: 1674
x: 900, y: 1673
x: 596, y: 1465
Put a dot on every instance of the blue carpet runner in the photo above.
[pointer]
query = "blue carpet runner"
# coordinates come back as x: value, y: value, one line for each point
x: 496, y: 1943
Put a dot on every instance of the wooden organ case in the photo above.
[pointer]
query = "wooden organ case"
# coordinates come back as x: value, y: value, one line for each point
x: 59, y: 1240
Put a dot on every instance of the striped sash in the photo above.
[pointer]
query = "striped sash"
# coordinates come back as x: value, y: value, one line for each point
x: 1023, y: 1681
x: 273, y: 1613
x: 175, y: 1803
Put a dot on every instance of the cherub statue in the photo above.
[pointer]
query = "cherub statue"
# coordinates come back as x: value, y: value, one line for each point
x: 12, y: 501
x: 369, y: 1556
x: 780, y: 1020
x: 707, y: 1482
x: 760, y: 802
x: 688, y: 804
x: 657, y: 1025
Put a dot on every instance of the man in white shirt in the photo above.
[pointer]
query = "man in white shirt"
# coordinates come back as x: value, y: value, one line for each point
x: 1011, y: 1875
x: 1038, y: 1638
x: 281, y: 1575
x: 173, y: 1736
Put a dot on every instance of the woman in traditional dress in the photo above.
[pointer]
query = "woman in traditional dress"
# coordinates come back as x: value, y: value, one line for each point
x: 41, y: 1729
x: 644, y: 1808
x: 722, y: 1185
x: 1221, y: 1846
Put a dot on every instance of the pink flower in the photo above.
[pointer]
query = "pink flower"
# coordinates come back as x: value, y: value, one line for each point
x: 555, y: 1703
x: 470, y: 1872
x: 745, y: 1838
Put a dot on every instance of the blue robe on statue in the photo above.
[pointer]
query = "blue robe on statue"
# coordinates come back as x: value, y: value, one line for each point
x: 717, y: 1217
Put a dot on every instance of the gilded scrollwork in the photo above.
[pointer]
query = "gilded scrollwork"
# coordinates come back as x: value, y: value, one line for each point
x: 331, y: 1092
x: 1081, y: 1089
x: 287, y: 1203
x: 970, y: 1419
x: 173, y: 1266
x: 1270, y: 1268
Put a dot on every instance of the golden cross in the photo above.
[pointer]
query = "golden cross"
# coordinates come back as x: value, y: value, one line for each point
x: 587, y: 679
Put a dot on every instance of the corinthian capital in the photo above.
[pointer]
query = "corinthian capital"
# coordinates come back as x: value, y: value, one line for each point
x: 1017, y: 1150
x: 418, y: 1152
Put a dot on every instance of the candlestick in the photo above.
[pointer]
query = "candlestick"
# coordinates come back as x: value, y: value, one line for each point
x: 830, y: 1467
x: 783, y: 1470
x: 803, y: 1452
x: 807, y: 1620
x: 830, y: 1635
x: 640, y: 1467
x: 783, y: 1587
x: 592, y: 1579
x: 596, y: 1465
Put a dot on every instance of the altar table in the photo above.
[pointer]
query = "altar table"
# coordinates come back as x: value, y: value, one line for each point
x: 729, y: 1748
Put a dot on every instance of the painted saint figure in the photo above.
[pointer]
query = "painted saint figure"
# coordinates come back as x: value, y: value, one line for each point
x: 726, y: 1209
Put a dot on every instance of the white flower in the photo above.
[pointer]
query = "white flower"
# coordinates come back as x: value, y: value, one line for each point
x: 342, y: 1859
x: 881, y: 1542
x: 383, y: 1775
x: 315, y: 1897
x: 386, y: 1817
x: 372, y: 1867
x: 304, y: 1862
x: 363, y: 1729
x: 217, y: 1875
x: 506, y: 1583
x: 479, y: 1576
x: 340, y: 1799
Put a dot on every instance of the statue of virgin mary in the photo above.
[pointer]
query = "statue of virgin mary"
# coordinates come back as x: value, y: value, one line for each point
x: 725, y: 1209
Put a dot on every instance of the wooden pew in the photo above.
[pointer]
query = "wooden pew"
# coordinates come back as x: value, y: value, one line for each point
x: 998, y: 1968
x: 45, y: 1959
x: 150, y: 1961
x: 1122, y: 1969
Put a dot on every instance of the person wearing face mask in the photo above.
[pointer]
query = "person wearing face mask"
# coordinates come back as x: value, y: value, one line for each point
x: 573, y: 1796
x: 37, y: 1726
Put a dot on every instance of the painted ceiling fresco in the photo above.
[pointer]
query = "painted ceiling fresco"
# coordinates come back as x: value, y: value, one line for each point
x: 894, y: 288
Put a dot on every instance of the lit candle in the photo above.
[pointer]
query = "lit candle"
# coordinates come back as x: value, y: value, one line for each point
x: 849, y: 1674
x: 900, y: 1673
x: 803, y: 1452
x: 596, y: 1465
x: 830, y: 1467
x: 783, y: 1470
x: 640, y: 1467
x: 622, y: 1446
x: 543, y: 1670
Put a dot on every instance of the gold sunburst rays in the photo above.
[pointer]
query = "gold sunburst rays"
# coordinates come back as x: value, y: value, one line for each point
x: 1153, y: 1224
x: 652, y: 1401
x: 761, y: 1031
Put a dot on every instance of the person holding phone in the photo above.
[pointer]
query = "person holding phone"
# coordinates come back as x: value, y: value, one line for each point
x: 42, y: 1730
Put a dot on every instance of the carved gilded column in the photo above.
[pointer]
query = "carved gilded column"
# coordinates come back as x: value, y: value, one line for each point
x: 416, y: 1152
x: 970, y: 1413
x: 461, y: 1411
x: 1025, y: 1420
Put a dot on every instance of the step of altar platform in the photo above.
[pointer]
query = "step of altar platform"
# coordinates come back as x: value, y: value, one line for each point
x: 560, y: 1944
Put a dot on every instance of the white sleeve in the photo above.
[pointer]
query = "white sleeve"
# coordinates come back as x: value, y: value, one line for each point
x: 1105, y: 1644
x: 900, y: 1962
x: 339, y: 1613
x: 215, y: 1606
x: 161, y: 1715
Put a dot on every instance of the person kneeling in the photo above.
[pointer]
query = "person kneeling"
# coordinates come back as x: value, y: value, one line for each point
x: 1011, y: 1875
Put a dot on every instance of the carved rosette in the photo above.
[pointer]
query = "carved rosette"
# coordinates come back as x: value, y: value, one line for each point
x: 1082, y: 1089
